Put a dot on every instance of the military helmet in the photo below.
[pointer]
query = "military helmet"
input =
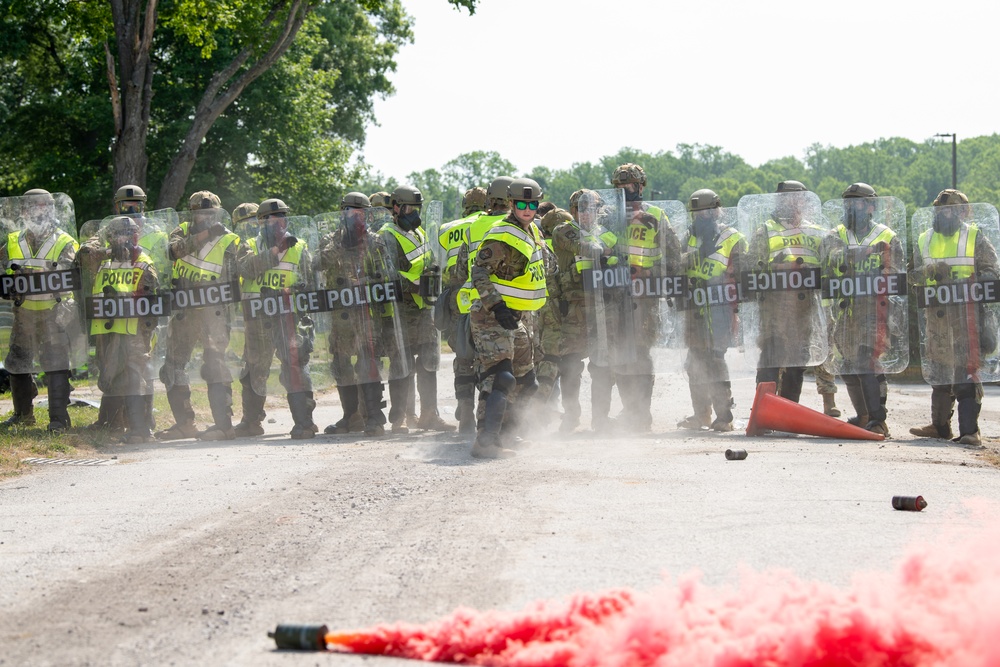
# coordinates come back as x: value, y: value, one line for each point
x: 121, y: 225
x: 524, y: 189
x: 269, y: 206
x: 406, y: 195
x: 589, y: 197
x: 204, y: 199
x: 130, y: 193
x: 628, y: 173
x: 950, y: 197
x: 554, y: 218
x: 379, y: 199
x: 475, y: 199
x: 34, y: 192
x: 857, y: 190
x: 791, y: 186
x: 355, y: 200
x: 498, y: 188
x: 245, y: 213
x: 702, y: 200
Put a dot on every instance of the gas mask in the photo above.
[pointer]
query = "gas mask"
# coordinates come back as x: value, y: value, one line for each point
x: 704, y: 226
x: 857, y: 218
x: 40, y: 220
x: 274, y: 231
x: 946, y: 220
x: 410, y: 220
x: 124, y: 247
x: 353, y: 221
x: 633, y: 192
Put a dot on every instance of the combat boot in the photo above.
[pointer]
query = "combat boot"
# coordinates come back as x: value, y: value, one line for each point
x: 179, y: 398
x: 220, y: 400
x: 110, y: 405
x: 23, y: 390
x: 398, y: 398
x: 466, y: 414
x: 968, y: 423
x: 433, y: 422
x: 138, y: 432
x: 59, y: 390
x: 942, y: 408
x: 349, y: 403
x: 830, y: 408
x: 253, y: 412
x: 487, y: 444
x: 301, y: 405
x: 373, y: 404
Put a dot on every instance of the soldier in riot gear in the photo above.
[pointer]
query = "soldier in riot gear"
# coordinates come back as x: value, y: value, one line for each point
x: 653, y: 250
x: 123, y: 345
x: 203, y: 251
x: 381, y: 210
x: 548, y: 338
x: 791, y: 328
x: 867, y: 245
x: 410, y: 254
x: 46, y: 330
x: 713, y: 253
x: 955, y: 249
x: 452, y: 236
x: 273, y: 266
x: 353, y: 255
x: 509, y: 278
x: 257, y: 342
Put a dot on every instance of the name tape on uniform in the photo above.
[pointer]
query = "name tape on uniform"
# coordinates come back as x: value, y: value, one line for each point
x: 321, y: 301
x: 39, y: 282
x: 957, y: 293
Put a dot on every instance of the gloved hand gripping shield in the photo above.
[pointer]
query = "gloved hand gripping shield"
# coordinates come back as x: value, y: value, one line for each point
x: 954, y: 283
x: 45, y: 329
x: 360, y: 294
x: 864, y: 285
x: 607, y: 282
x: 784, y: 320
x: 125, y: 300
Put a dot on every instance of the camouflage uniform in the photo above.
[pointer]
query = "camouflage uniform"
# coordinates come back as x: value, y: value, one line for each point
x: 43, y: 337
x: 207, y: 326
x: 360, y: 333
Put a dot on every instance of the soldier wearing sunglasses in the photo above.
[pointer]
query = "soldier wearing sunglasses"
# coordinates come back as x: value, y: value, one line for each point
x: 509, y: 276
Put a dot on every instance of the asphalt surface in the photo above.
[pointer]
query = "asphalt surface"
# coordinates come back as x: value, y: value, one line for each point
x: 188, y: 553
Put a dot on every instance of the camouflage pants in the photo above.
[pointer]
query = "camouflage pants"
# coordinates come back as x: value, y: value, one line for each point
x: 263, y: 339
x: 43, y: 340
x: 123, y: 361
x: 494, y: 344
x: 209, y: 327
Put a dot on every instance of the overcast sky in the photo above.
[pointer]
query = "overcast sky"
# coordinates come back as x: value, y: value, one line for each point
x: 553, y: 82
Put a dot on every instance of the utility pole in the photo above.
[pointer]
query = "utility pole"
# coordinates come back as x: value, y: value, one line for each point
x: 954, y: 158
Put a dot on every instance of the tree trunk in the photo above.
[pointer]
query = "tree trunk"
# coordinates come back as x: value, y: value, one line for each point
x: 134, y: 32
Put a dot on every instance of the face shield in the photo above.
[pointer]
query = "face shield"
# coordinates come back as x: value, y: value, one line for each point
x: 704, y: 222
x: 40, y: 217
x: 947, y: 219
x: 274, y: 227
x: 633, y: 191
x: 354, y: 221
x: 857, y: 214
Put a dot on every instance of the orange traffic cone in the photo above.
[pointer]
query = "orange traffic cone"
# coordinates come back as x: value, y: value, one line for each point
x: 780, y: 414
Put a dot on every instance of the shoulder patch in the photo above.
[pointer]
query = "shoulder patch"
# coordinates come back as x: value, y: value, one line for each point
x: 485, y: 253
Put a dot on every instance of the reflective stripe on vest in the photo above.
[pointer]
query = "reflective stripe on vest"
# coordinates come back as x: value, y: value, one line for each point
x: 643, y: 242
x: 452, y: 236
x: 417, y: 252
x: 526, y: 291
x: 794, y: 242
x: 717, y: 263
x: 957, y: 251
x: 608, y: 239
x: 284, y: 274
x: 18, y: 251
x: 206, y: 264
x: 474, y: 234
x: 877, y: 234
x: 123, y: 278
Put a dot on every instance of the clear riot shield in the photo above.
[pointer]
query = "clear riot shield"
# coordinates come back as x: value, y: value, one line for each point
x: 707, y: 320
x: 955, y: 286
x: 204, y: 293
x: 125, y: 301
x: 783, y: 317
x: 358, y: 303
x: 864, y: 285
x: 654, y: 230
x: 607, y: 281
x: 278, y: 284
x: 42, y: 325
x: 431, y: 219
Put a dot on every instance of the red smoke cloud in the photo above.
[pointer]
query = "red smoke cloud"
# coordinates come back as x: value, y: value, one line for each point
x: 940, y: 606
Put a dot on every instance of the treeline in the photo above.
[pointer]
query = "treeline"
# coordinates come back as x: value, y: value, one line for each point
x: 914, y: 172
